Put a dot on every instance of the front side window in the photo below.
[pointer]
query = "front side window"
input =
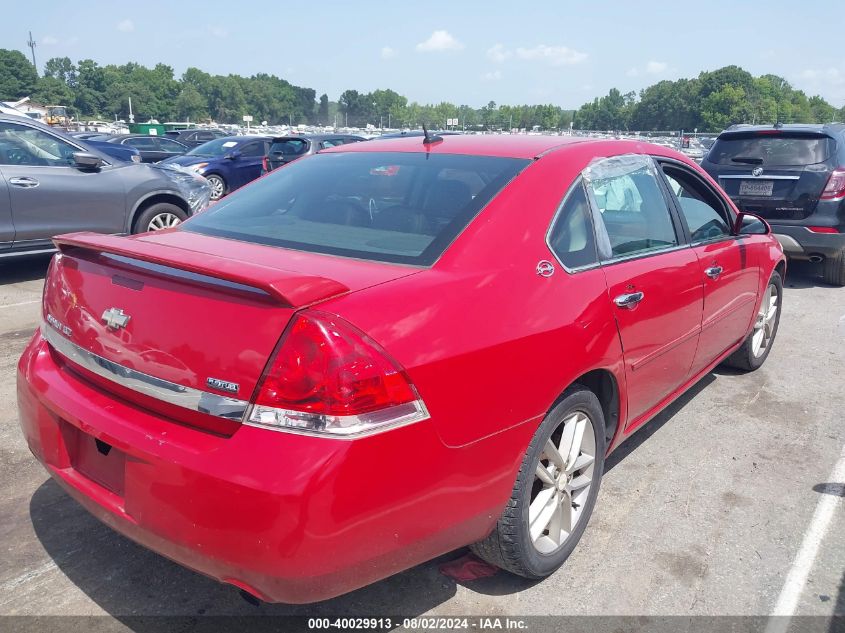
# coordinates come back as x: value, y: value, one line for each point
x: 23, y: 145
x: 703, y: 212
x: 633, y: 216
x: 572, y: 239
x: 403, y: 207
x: 168, y: 145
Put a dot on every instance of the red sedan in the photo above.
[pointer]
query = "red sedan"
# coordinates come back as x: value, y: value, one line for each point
x: 388, y: 351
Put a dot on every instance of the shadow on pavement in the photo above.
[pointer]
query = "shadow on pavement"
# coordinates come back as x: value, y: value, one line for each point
x: 801, y: 275
x: 24, y: 268
x: 125, y: 579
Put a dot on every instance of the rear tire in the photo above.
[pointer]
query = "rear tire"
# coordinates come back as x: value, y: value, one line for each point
x: 158, y: 216
x: 834, y: 269
x: 550, y: 505
x: 755, y: 350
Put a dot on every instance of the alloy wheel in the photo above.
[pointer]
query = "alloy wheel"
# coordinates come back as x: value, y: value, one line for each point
x: 218, y: 188
x: 163, y: 221
x: 764, y: 326
x: 562, y: 483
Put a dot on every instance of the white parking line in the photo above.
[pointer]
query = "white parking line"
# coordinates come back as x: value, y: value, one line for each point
x: 21, y: 303
x: 790, y: 594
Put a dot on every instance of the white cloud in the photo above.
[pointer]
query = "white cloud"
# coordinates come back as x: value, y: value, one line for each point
x: 440, y: 40
x: 388, y: 53
x: 828, y: 75
x: 494, y: 75
x: 655, y: 68
x: 126, y: 26
x: 498, y: 53
x: 49, y: 40
x: 218, y: 31
x: 554, y: 55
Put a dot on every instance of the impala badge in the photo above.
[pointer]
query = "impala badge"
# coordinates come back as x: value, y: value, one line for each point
x: 757, y: 172
x: 222, y: 385
x: 114, y: 318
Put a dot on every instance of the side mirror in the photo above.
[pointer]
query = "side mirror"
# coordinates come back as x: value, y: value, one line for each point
x: 84, y: 160
x: 235, y: 154
x: 750, y: 224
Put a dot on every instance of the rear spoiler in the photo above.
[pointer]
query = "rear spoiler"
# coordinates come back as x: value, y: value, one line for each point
x: 290, y: 288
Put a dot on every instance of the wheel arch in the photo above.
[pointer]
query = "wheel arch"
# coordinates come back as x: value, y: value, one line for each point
x: 154, y: 198
x: 603, y: 383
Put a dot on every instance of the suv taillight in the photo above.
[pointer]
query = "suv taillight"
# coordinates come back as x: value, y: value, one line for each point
x: 328, y: 378
x: 265, y: 164
x: 835, y: 187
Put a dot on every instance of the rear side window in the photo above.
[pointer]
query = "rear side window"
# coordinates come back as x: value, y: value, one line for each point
x: 572, y: 239
x: 386, y: 206
x: 634, y: 217
x: 291, y: 147
x: 141, y: 143
x: 771, y: 149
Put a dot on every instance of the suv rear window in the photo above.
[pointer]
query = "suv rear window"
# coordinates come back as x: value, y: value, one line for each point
x: 383, y: 206
x: 771, y: 149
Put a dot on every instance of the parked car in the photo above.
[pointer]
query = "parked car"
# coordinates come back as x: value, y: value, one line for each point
x: 407, y: 133
x: 228, y: 163
x: 389, y: 358
x: 51, y: 183
x: 196, y: 136
x: 151, y: 148
x: 285, y: 149
x: 120, y: 152
x: 794, y: 177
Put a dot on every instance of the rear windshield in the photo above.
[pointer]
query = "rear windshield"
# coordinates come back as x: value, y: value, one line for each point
x: 771, y: 150
x: 383, y: 206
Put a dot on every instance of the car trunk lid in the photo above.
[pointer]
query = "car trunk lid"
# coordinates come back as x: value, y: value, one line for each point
x: 193, y: 318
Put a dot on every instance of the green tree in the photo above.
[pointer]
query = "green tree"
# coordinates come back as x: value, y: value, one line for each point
x: 323, y: 113
x: 18, y: 77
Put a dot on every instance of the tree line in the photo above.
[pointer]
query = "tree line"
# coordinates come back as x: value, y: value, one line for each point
x: 709, y: 102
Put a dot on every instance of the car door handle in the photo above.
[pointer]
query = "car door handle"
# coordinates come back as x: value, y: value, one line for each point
x: 24, y: 181
x: 713, y: 272
x: 629, y: 300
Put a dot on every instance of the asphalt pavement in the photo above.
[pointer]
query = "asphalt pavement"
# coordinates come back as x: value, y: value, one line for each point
x: 728, y: 503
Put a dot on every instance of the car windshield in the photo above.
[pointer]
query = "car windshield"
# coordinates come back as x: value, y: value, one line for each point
x: 384, y: 206
x: 217, y: 147
x: 782, y: 150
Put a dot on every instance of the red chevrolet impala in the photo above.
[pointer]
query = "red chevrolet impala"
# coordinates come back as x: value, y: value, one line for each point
x: 390, y: 350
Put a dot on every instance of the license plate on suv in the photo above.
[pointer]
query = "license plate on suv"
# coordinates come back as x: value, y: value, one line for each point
x: 756, y: 187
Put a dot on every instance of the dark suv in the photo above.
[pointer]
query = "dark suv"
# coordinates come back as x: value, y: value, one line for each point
x: 794, y: 177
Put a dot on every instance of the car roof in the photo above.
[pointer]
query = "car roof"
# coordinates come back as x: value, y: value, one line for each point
x: 314, y: 137
x: 517, y: 146
x: 822, y: 128
x: 513, y: 146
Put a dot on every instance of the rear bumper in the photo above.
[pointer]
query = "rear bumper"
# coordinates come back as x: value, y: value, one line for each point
x: 289, y: 518
x: 799, y: 242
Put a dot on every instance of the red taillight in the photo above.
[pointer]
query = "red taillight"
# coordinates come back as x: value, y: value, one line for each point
x: 328, y: 377
x: 823, y: 229
x: 265, y: 164
x: 835, y: 187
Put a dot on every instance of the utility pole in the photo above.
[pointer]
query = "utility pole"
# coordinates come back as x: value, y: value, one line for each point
x: 31, y: 44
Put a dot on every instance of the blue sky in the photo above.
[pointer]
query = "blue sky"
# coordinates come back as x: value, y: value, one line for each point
x: 465, y: 52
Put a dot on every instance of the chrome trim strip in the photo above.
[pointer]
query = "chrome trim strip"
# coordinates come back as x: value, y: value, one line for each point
x: 760, y: 177
x: 164, y: 390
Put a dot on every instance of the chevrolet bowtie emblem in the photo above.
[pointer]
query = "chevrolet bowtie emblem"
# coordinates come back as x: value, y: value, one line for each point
x: 115, y: 318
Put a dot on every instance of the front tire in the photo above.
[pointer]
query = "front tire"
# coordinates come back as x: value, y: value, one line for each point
x: 159, y: 216
x: 218, y: 186
x: 755, y: 350
x: 555, y: 490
